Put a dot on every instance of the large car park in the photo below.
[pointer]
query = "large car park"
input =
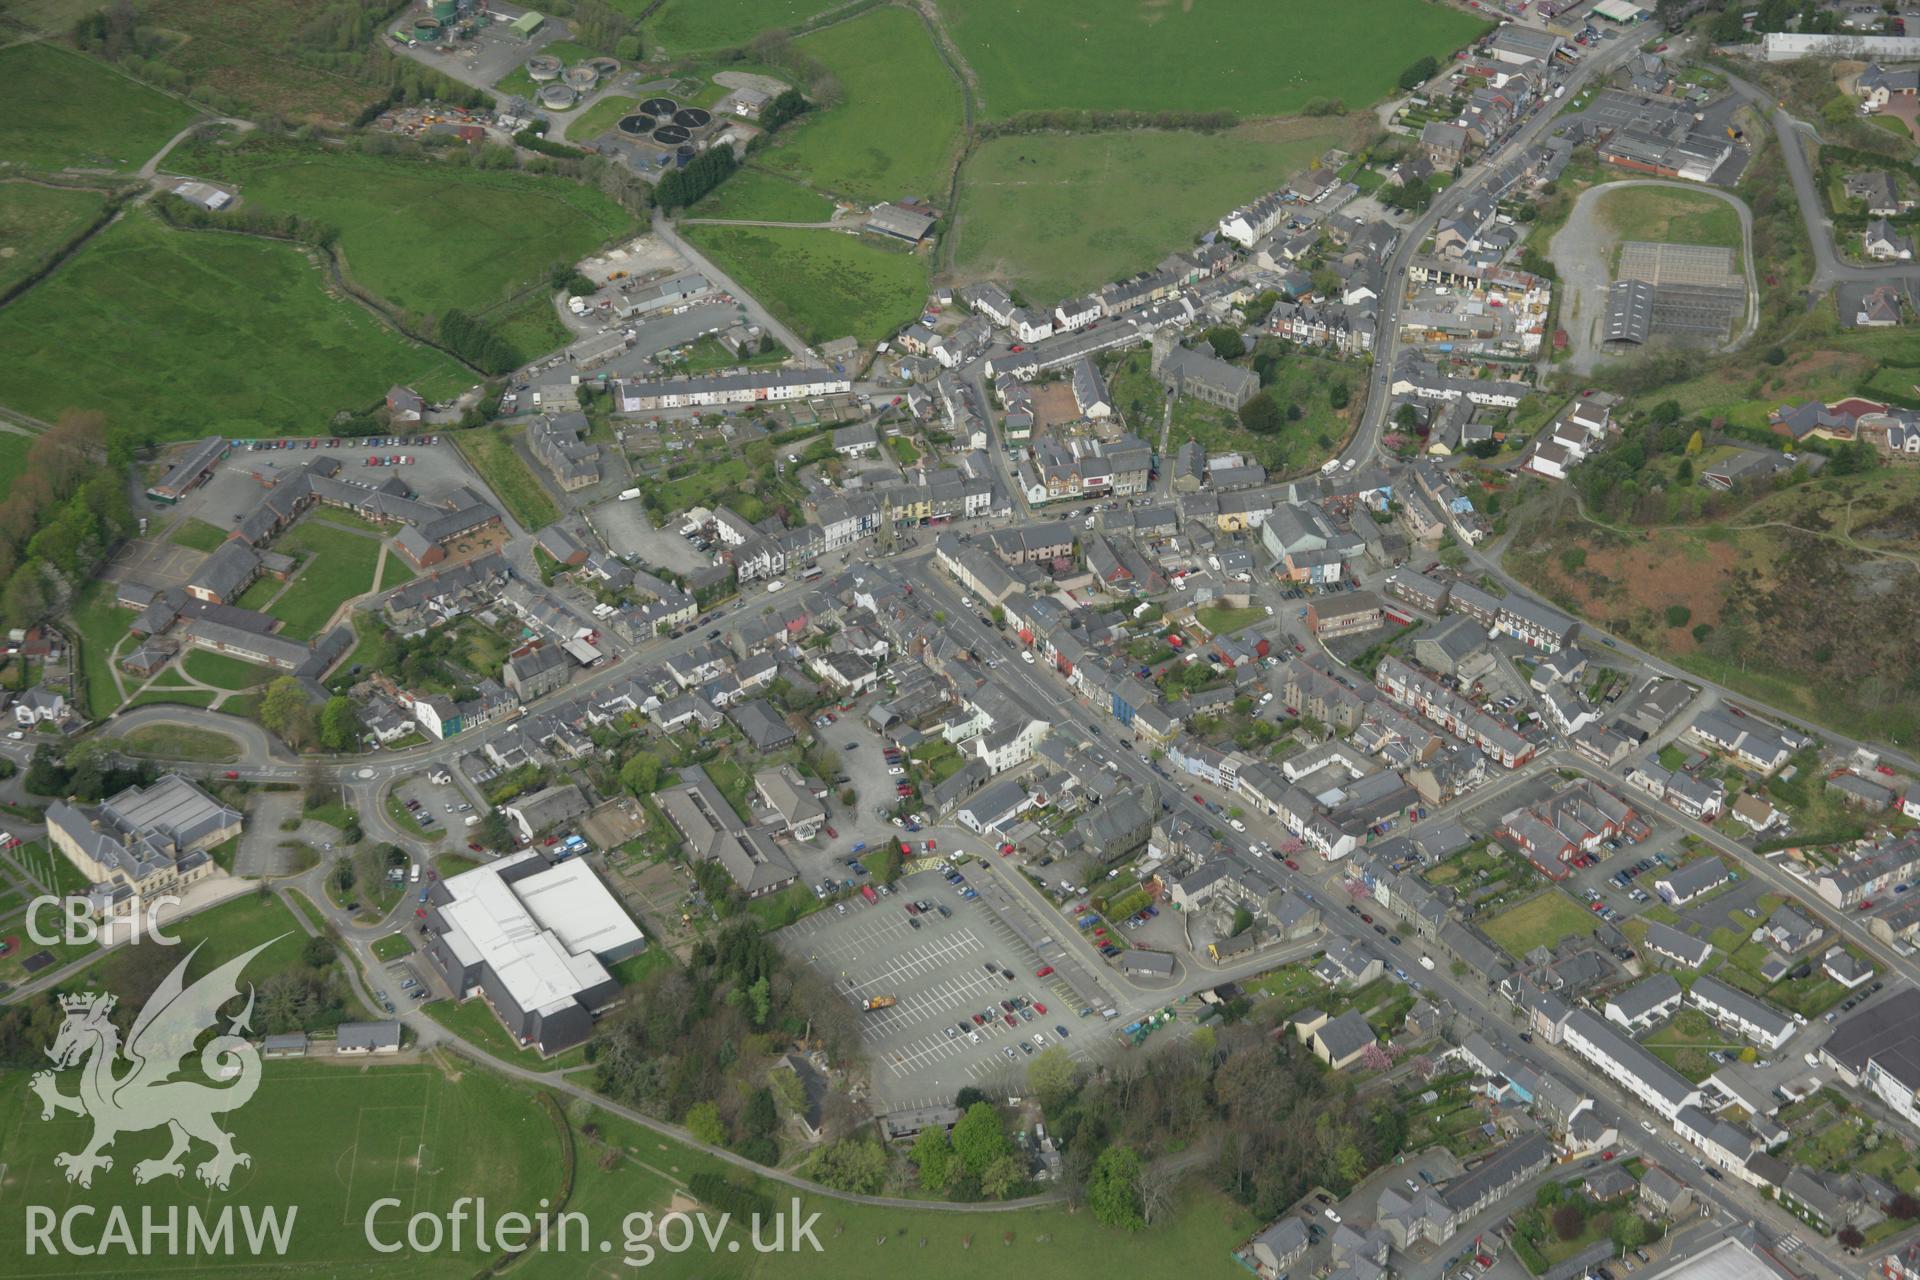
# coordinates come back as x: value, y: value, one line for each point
x: 950, y: 994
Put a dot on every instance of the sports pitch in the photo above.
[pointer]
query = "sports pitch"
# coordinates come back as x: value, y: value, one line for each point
x: 328, y: 1138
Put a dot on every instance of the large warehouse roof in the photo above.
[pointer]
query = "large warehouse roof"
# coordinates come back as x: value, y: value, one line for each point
x: 541, y: 935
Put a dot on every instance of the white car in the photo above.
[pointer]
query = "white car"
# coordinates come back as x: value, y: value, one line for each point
x: 1236, y: 824
x: 1647, y: 1126
x: 1026, y: 656
x: 1038, y: 1038
x: 1813, y: 1059
x: 895, y: 770
x: 1331, y: 1215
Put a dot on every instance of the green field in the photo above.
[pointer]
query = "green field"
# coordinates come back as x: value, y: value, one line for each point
x: 326, y: 1137
x: 13, y: 457
x: 181, y: 742
x: 599, y: 117
x: 1540, y: 921
x: 1246, y: 56
x: 1058, y: 214
x: 339, y: 566
x: 490, y: 451
x: 223, y: 671
x: 825, y: 284
x: 692, y: 25
x: 197, y: 535
x: 179, y: 356
x: 751, y: 193
x: 432, y: 237
x: 895, y: 133
x: 61, y: 110
x: 101, y: 625
x: 530, y: 325
x: 35, y: 221
x: 1670, y: 216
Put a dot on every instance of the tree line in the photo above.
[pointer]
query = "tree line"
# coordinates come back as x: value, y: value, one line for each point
x: 61, y: 517
x: 695, y: 1045
x: 1070, y: 120
x: 682, y: 187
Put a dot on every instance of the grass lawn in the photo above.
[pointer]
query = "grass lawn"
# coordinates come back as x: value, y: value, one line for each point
x: 176, y: 358
x: 752, y: 193
x: 474, y: 1022
x: 599, y: 117
x: 490, y: 452
x: 1685, y: 1041
x: 826, y: 285
x: 428, y: 237
x: 338, y: 566
x: 223, y: 672
x: 1061, y: 213
x: 1225, y: 621
x: 35, y: 221
x: 197, y: 535
x: 329, y: 1138
x: 175, y: 698
x: 101, y: 626
x: 894, y: 134
x: 1540, y: 921
x: 13, y: 457
x: 59, y: 109
x: 1124, y: 55
x: 684, y: 25
x: 1671, y: 216
x: 392, y: 947
x: 181, y: 742
x: 633, y: 968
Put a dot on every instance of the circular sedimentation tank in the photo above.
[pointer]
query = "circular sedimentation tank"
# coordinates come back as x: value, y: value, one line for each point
x: 557, y: 97
x: 446, y: 11
x: 581, y: 77
x: 426, y: 30
x: 543, y: 67
x: 659, y: 107
x: 638, y: 126
x: 670, y: 135
x: 692, y: 117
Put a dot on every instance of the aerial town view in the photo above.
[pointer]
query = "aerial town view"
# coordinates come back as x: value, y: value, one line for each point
x: 764, y: 639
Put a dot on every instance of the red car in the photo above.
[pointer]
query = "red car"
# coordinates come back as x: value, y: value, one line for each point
x: 979, y: 1021
x: 912, y: 910
x: 1038, y: 1007
x: 1010, y: 1020
x: 1292, y: 865
x: 1865, y: 905
x: 1006, y: 849
x: 1197, y: 800
x: 905, y: 848
x: 476, y: 848
x: 421, y: 912
x: 832, y: 834
x: 1298, y: 647
x: 929, y: 846
x: 551, y: 840
x: 1365, y: 918
x: 231, y: 774
x: 1042, y: 972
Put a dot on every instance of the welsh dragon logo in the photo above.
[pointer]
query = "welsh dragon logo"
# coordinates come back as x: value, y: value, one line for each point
x: 148, y: 1096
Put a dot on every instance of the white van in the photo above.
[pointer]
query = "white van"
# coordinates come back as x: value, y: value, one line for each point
x: 413, y: 877
x: 473, y: 819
